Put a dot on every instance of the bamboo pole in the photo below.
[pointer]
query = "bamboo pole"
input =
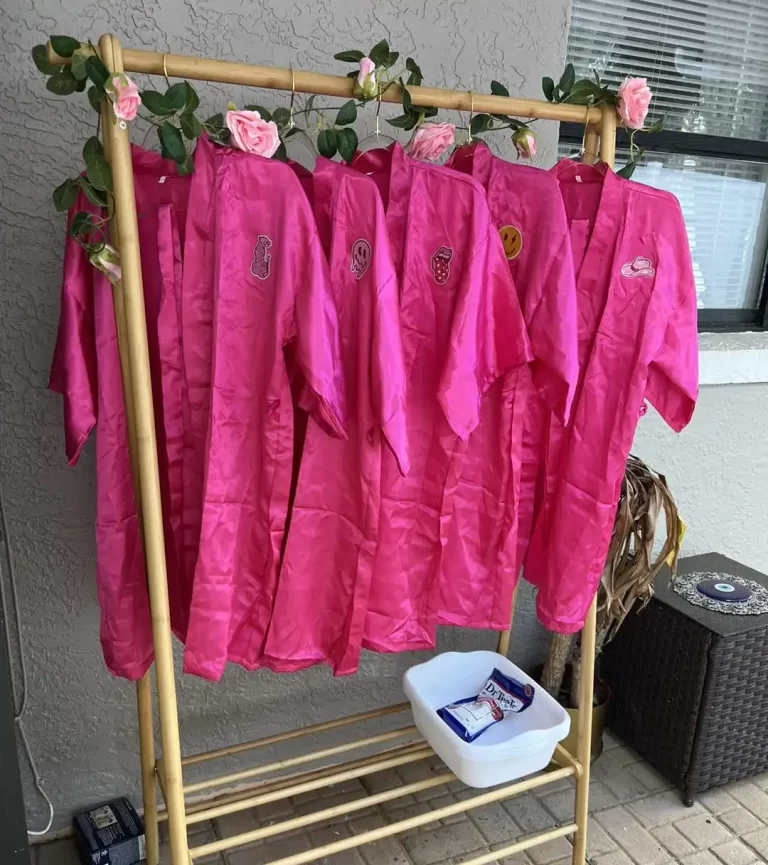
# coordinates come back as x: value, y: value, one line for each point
x: 519, y: 846
x: 309, y: 786
x: 328, y: 814
x: 298, y: 761
x: 144, y: 685
x: 151, y: 509
x: 295, y: 734
x: 403, y: 825
x: 275, y: 78
x: 502, y: 647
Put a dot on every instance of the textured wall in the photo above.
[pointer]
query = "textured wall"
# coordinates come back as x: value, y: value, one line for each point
x: 81, y: 722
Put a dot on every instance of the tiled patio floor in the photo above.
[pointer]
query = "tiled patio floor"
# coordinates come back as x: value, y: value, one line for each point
x: 637, y: 819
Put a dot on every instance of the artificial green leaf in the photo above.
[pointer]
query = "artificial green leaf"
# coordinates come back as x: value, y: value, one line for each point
x: 430, y: 112
x: 655, y: 127
x: 216, y: 121
x: 81, y: 223
x: 176, y: 96
x: 281, y: 154
x: 99, y: 173
x: 190, y: 126
x: 567, y: 78
x: 416, y: 76
x: 627, y: 171
x: 156, y: 103
x: 40, y: 58
x: 347, y: 113
x: 282, y: 117
x: 391, y: 59
x: 380, y: 52
x: 64, y: 46
x: 92, y: 149
x: 77, y: 65
x: 407, y: 101
x: 93, y: 195
x: 352, y: 74
x: 480, y: 123
x: 191, y: 101
x: 187, y: 166
x: 498, y: 89
x: 353, y: 56
x: 310, y: 103
x: 399, y: 122
x: 327, y: 143
x: 62, y: 82
x: 97, y: 71
x: 414, y: 118
x: 172, y: 143
x: 347, y: 143
x: 548, y: 88
x: 583, y: 92
x: 65, y: 195
x: 95, y: 95
x: 264, y: 113
x: 81, y: 85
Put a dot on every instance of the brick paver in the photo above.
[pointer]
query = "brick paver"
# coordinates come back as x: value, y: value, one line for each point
x: 636, y: 819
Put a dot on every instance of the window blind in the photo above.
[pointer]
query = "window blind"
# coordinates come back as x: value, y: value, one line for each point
x: 705, y: 60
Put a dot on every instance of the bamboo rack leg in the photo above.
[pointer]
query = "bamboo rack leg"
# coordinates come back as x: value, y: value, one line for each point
x: 144, y: 685
x: 149, y: 485
x: 503, y: 645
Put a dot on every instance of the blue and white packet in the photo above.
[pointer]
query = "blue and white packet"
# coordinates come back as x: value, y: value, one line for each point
x: 471, y: 717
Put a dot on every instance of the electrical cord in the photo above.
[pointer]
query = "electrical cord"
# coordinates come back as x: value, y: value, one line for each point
x: 19, y: 713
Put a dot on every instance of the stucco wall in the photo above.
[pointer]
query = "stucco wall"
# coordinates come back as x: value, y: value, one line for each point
x: 81, y: 722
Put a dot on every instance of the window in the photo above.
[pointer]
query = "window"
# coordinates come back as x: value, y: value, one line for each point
x: 707, y: 64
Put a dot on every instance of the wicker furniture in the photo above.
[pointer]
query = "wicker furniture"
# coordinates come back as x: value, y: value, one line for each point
x: 690, y: 686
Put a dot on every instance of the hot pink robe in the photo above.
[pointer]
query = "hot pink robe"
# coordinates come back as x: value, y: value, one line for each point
x: 637, y: 340
x: 86, y: 370
x: 462, y: 329
x: 496, y: 491
x: 272, y: 317
x: 322, y: 595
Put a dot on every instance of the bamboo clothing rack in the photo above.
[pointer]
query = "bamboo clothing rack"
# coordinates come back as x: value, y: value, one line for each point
x: 166, y: 772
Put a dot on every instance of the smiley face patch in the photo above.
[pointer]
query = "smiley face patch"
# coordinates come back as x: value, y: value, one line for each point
x: 512, y: 239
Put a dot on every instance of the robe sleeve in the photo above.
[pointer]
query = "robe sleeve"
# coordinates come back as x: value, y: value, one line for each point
x: 488, y: 335
x: 316, y: 346
x: 673, y: 374
x: 553, y: 331
x: 74, y: 367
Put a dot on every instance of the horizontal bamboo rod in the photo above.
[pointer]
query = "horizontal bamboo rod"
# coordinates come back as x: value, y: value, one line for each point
x: 309, y: 786
x: 300, y: 760
x: 275, y: 78
x: 411, y: 822
x: 295, y: 734
x: 525, y: 844
x: 325, y: 814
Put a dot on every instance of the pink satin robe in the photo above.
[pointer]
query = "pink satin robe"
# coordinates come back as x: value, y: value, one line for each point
x: 272, y: 318
x: 637, y: 340
x: 495, y: 499
x: 322, y: 595
x: 86, y: 371
x: 462, y: 328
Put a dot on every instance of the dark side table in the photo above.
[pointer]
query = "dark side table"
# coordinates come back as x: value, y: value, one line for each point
x: 690, y: 686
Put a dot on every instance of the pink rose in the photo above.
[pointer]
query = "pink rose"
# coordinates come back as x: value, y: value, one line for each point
x: 125, y: 97
x: 634, y: 99
x: 365, y: 83
x: 431, y: 140
x: 107, y: 259
x: 250, y: 133
x: 525, y: 142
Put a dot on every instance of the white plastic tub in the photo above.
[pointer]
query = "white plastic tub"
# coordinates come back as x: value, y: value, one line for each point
x: 519, y: 745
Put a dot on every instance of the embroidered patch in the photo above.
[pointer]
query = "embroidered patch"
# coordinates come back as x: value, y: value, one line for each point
x: 441, y: 264
x: 361, y: 258
x: 512, y: 238
x: 640, y: 266
x: 261, y: 258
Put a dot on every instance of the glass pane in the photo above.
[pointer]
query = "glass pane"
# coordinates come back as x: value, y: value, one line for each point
x: 706, y: 61
x: 725, y: 206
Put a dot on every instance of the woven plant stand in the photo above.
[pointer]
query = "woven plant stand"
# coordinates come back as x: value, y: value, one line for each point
x: 690, y: 686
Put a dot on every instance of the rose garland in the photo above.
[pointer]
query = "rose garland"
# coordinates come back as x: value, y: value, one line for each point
x: 255, y: 129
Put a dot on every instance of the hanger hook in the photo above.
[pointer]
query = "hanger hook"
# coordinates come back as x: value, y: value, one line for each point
x: 471, y: 115
x: 165, y: 69
x: 293, y: 98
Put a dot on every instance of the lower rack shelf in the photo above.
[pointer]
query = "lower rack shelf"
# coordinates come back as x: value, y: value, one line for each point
x: 273, y: 789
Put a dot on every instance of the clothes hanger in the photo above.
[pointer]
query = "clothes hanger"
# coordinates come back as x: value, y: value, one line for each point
x: 298, y: 137
x: 375, y: 136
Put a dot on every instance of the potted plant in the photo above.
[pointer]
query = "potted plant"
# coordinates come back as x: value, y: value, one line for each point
x: 630, y: 571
